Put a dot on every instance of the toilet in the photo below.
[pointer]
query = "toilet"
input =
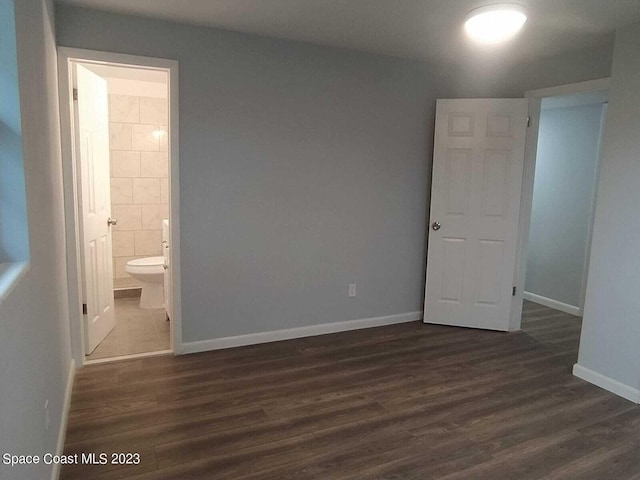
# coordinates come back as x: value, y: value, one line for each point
x: 150, y: 272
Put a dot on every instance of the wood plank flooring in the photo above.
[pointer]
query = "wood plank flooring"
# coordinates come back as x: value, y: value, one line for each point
x: 409, y: 401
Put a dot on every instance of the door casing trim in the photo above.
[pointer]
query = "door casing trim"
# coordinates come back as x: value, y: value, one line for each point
x: 67, y: 55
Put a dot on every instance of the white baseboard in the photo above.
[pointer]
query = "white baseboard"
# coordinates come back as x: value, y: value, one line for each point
x: 551, y: 303
x: 602, y: 381
x: 287, y: 334
x: 55, y: 472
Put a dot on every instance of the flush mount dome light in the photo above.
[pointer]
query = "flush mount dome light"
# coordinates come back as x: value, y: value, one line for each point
x: 496, y: 23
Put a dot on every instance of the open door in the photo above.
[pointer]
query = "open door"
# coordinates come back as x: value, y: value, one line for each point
x: 92, y: 128
x: 478, y: 161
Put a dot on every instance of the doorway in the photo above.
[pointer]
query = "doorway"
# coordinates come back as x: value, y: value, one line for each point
x: 120, y: 172
x: 564, y: 191
x: 470, y: 268
x: 559, y: 196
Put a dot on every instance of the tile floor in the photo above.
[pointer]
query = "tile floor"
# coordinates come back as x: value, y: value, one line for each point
x: 137, y: 330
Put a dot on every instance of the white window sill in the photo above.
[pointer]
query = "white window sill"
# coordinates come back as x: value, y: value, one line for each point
x: 10, y: 275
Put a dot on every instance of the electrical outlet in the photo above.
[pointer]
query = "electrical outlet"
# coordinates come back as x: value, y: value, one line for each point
x: 352, y: 289
x: 47, y: 415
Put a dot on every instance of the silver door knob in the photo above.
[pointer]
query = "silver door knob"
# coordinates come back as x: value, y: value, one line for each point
x: 436, y: 226
x: 112, y: 221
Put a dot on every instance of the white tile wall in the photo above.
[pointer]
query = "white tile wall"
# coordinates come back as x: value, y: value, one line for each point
x: 153, y: 110
x: 119, y: 265
x: 164, y: 190
x: 164, y: 143
x: 129, y: 217
x: 121, y: 191
x: 124, y: 108
x: 152, y: 215
x: 148, y: 242
x: 125, y: 164
x: 145, y: 138
x: 120, y: 135
x: 123, y: 243
x: 146, y: 190
x: 139, y: 179
x: 154, y: 164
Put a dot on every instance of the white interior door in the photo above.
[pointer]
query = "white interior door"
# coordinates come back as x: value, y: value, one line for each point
x: 475, y: 203
x: 95, y: 206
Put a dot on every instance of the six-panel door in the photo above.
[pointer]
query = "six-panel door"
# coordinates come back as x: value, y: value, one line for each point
x: 475, y: 198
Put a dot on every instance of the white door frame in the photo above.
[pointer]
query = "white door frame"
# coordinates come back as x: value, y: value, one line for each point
x: 69, y: 173
x: 535, y: 102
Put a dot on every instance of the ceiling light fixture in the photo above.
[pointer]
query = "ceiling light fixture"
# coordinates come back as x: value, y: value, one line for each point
x: 495, y: 23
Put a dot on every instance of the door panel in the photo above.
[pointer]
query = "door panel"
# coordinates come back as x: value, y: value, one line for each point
x: 458, y: 177
x: 95, y: 205
x: 452, y: 269
x: 489, y: 271
x: 475, y: 198
x: 496, y: 186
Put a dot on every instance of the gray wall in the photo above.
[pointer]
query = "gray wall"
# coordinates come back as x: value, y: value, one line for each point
x: 302, y: 169
x: 490, y: 75
x: 566, y: 167
x: 34, y: 339
x: 586, y: 64
x: 610, y: 342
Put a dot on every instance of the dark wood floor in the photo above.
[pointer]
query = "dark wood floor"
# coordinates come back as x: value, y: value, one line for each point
x: 409, y: 401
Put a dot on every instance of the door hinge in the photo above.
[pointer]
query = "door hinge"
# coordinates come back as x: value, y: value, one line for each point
x: 75, y: 94
x: 513, y: 291
x: 84, y: 309
x: 528, y: 121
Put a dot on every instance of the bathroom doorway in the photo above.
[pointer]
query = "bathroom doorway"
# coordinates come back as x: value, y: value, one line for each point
x: 120, y: 170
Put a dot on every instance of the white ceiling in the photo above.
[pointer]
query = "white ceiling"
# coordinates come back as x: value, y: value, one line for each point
x: 142, y: 82
x: 129, y: 73
x: 405, y: 28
